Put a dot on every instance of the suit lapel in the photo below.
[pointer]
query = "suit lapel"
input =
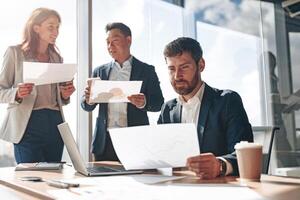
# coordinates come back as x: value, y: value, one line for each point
x: 135, y: 70
x: 105, y: 72
x: 175, y: 113
x: 205, y: 105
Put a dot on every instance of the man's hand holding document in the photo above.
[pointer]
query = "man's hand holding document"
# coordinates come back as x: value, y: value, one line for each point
x: 46, y: 73
x: 155, y: 146
x: 104, y: 91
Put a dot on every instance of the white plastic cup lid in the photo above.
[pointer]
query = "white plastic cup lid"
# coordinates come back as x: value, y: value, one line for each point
x: 245, y: 144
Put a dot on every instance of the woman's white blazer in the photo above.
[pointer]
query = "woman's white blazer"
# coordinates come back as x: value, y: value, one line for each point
x: 17, y: 116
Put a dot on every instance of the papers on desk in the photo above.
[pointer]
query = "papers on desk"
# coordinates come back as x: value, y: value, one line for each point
x: 108, y: 186
x: 47, y: 73
x: 155, y: 146
x: 8, y: 193
x: 157, y: 193
x: 123, y: 187
x: 103, y: 91
x: 132, y: 179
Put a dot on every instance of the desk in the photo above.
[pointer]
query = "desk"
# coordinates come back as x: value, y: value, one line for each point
x: 270, y: 187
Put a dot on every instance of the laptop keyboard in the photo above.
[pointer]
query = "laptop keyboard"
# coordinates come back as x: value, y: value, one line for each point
x: 96, y: 169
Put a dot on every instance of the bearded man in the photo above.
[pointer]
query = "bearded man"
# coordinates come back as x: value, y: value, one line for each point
x: 219, y: 115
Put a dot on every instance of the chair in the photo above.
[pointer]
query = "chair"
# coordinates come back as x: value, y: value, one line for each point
x: 265, y: 136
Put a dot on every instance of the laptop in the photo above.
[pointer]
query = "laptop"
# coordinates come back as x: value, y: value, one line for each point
x: 78, y: 162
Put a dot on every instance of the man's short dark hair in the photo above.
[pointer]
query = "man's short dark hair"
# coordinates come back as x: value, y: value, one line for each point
x: 184, y: 44
x: 125, y: 30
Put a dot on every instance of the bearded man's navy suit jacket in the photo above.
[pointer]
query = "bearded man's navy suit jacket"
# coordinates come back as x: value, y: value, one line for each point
x: 222, y: 122
x: 140, y: 71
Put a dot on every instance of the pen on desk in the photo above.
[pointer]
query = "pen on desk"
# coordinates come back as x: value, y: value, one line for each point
x: 60, y: 184
x: 57, y: 184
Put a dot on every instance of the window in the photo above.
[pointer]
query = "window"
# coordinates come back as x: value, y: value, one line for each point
x: 229, y: 33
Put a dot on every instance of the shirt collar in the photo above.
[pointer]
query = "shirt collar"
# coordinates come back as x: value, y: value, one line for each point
x: 127, y: 63
x: 196, y: 98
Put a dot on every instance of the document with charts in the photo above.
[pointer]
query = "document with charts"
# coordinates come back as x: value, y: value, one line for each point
x: 47, y: 73
x: 155, y: 146
x: 104, y: 91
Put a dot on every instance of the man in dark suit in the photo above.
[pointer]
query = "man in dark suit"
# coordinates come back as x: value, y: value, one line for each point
x: 124, y: 67
x: 219, y: 115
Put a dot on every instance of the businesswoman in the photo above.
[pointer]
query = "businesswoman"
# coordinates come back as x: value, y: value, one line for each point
x: 34, y: 112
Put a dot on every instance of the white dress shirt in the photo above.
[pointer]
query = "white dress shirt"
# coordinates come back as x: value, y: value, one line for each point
x: 117, y: 112
x: 191, y: 108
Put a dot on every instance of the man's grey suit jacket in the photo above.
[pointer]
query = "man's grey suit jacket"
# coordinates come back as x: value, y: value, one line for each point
x: 222, y: 122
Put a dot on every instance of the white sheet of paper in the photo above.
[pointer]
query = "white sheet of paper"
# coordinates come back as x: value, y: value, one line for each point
x: 47, y: 73
x: 155, y: 146
x: 154, y: 192
x: 104, y: 91
x: 7, y: 193
x: 132, y: 179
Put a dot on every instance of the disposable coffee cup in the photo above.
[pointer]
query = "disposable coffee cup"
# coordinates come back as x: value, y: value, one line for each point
x: 249, y: 157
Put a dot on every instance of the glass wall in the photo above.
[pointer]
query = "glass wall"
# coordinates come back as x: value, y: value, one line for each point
x: 230, y: 34
x: 294, y: 38
x: 12, y: 22
x: 289, y: 83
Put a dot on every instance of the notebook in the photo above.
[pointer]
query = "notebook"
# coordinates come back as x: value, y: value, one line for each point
x: 78, y: 162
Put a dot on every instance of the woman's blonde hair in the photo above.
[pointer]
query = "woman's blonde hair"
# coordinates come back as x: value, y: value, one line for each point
x: 30, y: 41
